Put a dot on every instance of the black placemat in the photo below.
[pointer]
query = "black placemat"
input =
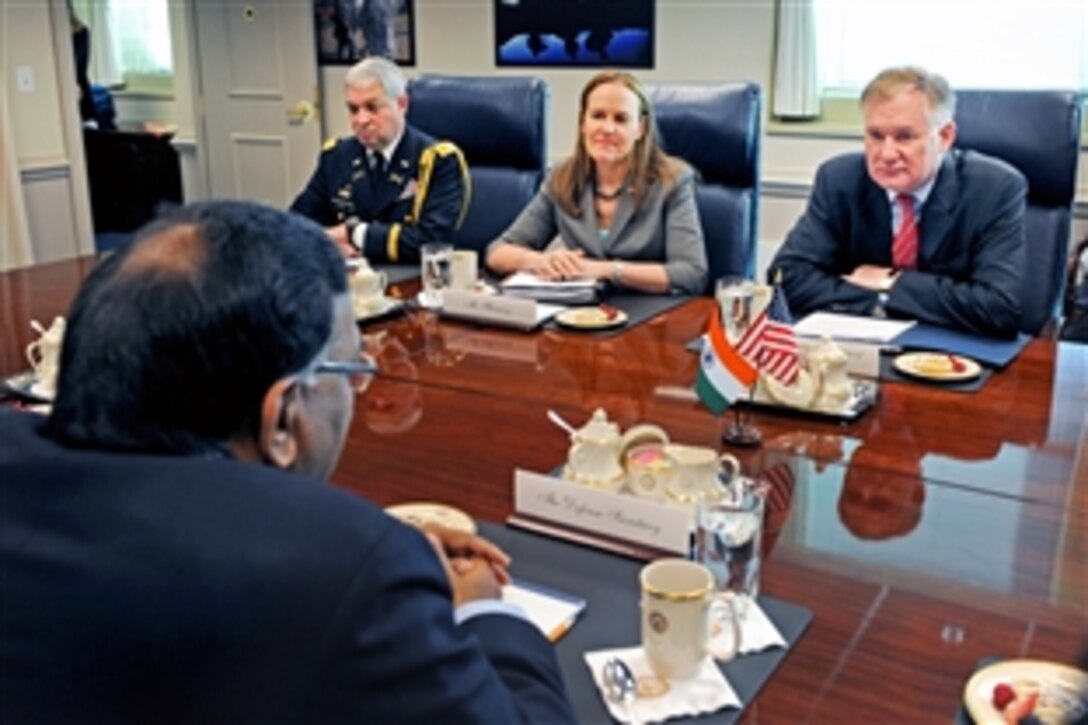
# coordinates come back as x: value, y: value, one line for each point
x: 639, y: 308
x: 611, y: 618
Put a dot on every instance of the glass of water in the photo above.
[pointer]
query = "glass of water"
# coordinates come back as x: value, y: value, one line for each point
x: 737, y: 303
x: 435, y: 258
x: 728, y: 540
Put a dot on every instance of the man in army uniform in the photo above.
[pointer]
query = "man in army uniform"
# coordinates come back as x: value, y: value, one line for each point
x: 390, y: 188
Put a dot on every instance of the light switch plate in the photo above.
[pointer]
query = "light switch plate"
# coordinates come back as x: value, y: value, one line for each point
x: 24, y: 79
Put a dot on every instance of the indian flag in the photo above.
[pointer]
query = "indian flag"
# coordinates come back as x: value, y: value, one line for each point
x: 724, y: 375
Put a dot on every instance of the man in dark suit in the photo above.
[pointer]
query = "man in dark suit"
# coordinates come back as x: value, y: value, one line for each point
x: 389, y: 188
x: 168, y: 551
x: 911, y: 228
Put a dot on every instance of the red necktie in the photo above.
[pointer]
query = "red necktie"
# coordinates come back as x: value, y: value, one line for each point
x: 905, y: 243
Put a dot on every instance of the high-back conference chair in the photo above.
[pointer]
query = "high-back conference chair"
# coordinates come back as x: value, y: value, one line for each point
x: 500, y: 126
x: 1037, y: 132
x: 716, y: 129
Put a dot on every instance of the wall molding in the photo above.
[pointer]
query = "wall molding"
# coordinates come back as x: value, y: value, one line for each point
x: 784, y: 189
x: 45, y: 170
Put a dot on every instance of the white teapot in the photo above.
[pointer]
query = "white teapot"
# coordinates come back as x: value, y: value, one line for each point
x: 828, y: 361
x: 367, y: 287
x: 44, y: 356
x: 594, y: 456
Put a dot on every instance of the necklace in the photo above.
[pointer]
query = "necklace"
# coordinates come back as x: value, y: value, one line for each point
x: 611, y: 196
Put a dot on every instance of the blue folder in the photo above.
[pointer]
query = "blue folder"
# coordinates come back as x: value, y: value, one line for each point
x: 988, y: 350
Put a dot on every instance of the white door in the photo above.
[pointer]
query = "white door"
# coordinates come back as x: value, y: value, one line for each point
x: 258, y: 78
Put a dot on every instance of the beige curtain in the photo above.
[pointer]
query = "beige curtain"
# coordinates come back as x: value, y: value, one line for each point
x: 796, y: 90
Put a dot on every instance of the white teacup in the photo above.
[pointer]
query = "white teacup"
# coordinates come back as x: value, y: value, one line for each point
x: 649, y: 470
x: 43, y: 355
x: 697, y: 472
x: 464, y: 269
x: 680, y: 609
x: 367, y: 288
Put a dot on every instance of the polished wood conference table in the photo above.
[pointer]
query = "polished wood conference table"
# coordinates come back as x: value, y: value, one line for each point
x: 939, y: 528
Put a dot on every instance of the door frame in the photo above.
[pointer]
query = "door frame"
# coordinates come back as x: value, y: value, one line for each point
x: 78, y: 190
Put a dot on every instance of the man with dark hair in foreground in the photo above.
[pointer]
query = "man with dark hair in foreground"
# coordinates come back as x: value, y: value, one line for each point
x: 167, y: 550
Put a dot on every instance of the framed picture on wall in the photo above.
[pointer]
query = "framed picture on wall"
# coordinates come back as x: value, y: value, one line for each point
x: 350, y: 30
x: 581, y: 33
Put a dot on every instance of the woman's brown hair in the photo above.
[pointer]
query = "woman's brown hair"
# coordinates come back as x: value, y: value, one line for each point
x: 648, y: 161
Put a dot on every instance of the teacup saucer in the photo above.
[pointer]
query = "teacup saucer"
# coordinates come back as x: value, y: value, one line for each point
x: 382, y: 306
x: 40, y: 391
x: 26, y: 385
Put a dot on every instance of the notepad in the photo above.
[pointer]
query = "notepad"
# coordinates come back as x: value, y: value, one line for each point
x: 567, y: 291
x: 552, y: 611
x: 851, y: 327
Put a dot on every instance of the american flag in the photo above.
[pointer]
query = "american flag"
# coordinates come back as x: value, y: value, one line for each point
x: 769, y: 342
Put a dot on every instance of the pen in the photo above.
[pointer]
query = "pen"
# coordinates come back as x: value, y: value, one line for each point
x: 561, y: 629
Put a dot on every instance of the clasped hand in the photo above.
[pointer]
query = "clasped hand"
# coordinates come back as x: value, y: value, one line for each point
x: 475, y: 567
x: 869, y: 276
x: 561, y: 264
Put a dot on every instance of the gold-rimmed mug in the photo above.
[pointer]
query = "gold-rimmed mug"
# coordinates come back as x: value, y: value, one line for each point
x: 680, y: 610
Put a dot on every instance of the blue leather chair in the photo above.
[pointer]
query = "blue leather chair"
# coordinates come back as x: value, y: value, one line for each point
x: 1038, y: 133
x: 500, y: 126
x: 716, y: 129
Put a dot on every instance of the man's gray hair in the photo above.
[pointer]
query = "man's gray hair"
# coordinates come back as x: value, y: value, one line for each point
x: 939, y: 95
x: 380, y: 70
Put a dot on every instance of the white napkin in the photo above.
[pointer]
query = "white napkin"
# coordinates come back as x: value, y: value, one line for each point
x: 707, y: 692
x: 757, y: 631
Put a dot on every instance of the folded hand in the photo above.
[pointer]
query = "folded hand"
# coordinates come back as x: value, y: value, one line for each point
x: 476, y: 568
x: 561, y: 264
x: 869, y: 276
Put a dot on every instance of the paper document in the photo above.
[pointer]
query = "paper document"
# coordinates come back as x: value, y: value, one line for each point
x: 552, y: 611
x: 851, y: 327
x: 526, y: 284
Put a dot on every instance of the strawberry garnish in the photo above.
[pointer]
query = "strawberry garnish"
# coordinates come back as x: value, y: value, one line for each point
x: 1020, y: 708
x: 1003, y: 695
x: 609, y: 311
x: 957, y: 365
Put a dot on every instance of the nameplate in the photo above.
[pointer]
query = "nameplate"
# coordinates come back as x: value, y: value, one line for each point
x: 653, y: 524
x: 862, y: 358
x: 496, y: 309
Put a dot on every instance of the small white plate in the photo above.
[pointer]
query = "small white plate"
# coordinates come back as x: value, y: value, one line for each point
x: 387, y: 305
x: 420, y: 513
x: 1062, y: 690
x: 939, y: 366
x: 38, y: 390
x: 28, y: 386
x: 591, y: 318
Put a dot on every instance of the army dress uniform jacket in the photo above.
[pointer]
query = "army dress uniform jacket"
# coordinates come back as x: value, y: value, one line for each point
x: 421, y: 196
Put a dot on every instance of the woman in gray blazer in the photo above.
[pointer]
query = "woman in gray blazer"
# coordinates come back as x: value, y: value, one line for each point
x: 620, y: 209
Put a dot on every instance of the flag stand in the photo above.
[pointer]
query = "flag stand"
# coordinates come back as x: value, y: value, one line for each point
x: 741, y: 432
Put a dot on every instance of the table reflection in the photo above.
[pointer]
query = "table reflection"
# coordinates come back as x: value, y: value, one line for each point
x: 394, y: 402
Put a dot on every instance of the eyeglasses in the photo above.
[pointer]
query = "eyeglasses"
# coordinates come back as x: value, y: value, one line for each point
x: 360, y: 371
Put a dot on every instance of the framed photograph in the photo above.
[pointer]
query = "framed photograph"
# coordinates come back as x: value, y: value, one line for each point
x: 578, y: 33
x: 350, y: 30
